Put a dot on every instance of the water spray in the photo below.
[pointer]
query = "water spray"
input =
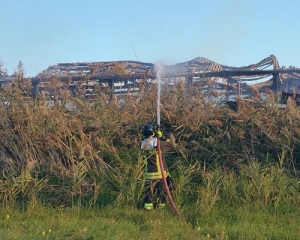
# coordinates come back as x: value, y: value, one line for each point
x: 159, y: 72
x: 158, y: 69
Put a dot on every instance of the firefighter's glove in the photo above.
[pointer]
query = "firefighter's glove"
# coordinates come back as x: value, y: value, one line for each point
x: 158, y: 133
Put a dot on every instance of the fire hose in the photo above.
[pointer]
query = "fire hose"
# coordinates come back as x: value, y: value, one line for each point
x: 165, y: 179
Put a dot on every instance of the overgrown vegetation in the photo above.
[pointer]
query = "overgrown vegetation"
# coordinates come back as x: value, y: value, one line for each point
x: 70, y: 152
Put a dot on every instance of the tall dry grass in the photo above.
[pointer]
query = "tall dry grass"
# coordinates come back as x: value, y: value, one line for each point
x: 69, y: 151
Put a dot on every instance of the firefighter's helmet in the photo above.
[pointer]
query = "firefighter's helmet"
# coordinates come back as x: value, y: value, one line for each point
x: 147, y: 130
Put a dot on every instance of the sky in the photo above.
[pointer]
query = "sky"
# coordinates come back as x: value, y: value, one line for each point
x: 40, y: 33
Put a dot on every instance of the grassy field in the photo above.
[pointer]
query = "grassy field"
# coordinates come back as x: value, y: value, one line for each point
x: 226, y: 222
x: 74, y: 170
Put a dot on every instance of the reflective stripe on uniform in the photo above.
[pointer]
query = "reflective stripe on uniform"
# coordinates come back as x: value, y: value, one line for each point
x: 158, y: 164
x: 154, y: 175
x: 161, y: 205
x: 148, y: 206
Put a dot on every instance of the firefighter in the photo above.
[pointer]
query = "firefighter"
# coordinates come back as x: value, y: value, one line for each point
x: 154, y: 185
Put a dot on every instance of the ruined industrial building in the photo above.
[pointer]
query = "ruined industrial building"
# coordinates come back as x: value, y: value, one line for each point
x: 130, y: 76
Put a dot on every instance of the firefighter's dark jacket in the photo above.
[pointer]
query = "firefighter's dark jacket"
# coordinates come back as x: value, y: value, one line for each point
x: 150, y: 154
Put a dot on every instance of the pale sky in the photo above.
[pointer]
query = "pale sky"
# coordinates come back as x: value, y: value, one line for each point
x: 236, y: 33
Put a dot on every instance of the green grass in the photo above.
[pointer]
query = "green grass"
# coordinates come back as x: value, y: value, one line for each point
x: 225, y: 222
x: 105, y: 223
x: 249, y: 222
